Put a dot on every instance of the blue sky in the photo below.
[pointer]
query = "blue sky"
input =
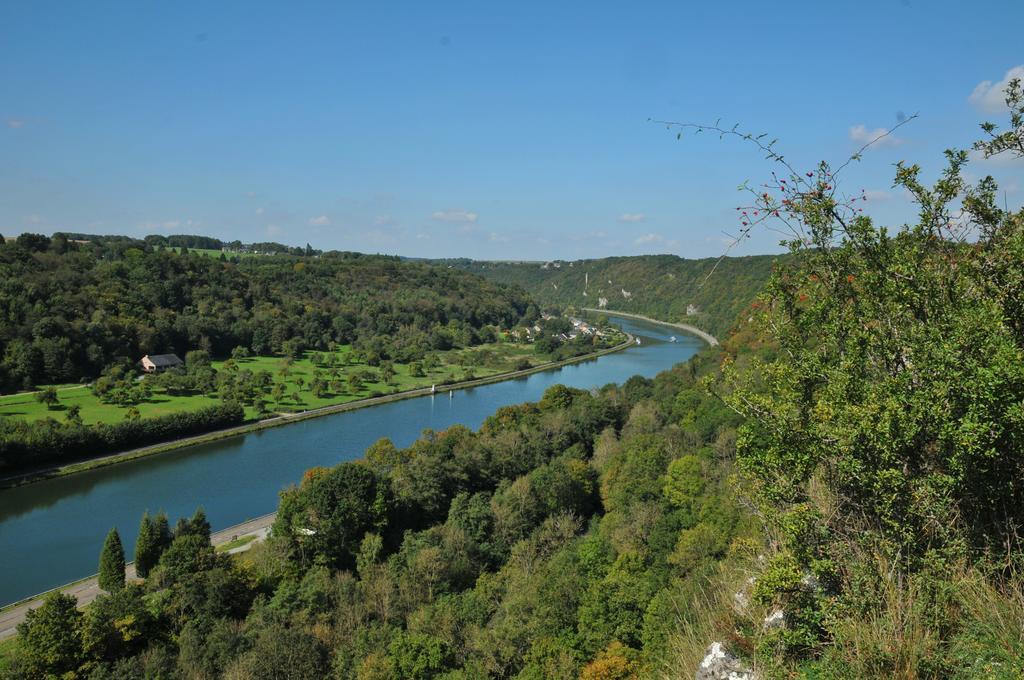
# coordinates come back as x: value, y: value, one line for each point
x: 487, y: 130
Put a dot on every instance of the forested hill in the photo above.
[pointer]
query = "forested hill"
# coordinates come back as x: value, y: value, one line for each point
x: 68, y: 308
x: 659, y: 286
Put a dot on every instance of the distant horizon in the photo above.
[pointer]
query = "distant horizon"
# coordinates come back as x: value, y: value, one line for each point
x: 13, y: 237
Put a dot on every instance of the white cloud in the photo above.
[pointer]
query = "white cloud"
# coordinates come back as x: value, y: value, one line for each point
x: 455, y: 216
x: 250, y: 194
x: 989, y: 97
x: 15, y: 123
x: 649, y: 238
x: 259, y: 211
x: 171, y: 224
x: 862, y: 135
x: 632, y: 217
x: 321, y: 221
x: 498, y: 238
x: 384, y: 221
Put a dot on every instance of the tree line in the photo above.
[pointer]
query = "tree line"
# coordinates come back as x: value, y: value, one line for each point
x: 70, y: 309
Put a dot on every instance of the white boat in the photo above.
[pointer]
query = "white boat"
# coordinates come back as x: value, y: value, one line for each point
x: 638, y: 341
x: 672, y: 339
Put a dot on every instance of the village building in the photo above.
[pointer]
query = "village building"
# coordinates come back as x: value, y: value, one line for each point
x: 154, y: 363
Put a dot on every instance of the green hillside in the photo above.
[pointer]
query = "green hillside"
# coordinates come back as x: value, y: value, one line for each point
x: 660, y: 286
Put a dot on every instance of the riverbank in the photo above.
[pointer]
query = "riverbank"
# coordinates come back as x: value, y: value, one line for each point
x: 693, y: 330
x: 87, y: 589
x: 286, y: 419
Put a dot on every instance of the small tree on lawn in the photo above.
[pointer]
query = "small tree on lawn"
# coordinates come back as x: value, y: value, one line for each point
x: 112, y: 563
x: 48, y: 397
x: 73, y: 414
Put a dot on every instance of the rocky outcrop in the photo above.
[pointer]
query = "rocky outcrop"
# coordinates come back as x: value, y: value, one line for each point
x: 720, y: 664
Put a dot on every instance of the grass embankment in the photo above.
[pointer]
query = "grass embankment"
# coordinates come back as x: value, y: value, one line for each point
x: 295, y: 377
x: 236, y: 543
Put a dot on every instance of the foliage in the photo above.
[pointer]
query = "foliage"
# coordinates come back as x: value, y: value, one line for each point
x: 111, y: 574
x: 154, y: 537
x: 50, y: 638
x: 882, y: 438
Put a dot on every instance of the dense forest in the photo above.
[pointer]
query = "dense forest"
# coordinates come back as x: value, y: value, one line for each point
x: 659, y: 286
x: 71, y: 308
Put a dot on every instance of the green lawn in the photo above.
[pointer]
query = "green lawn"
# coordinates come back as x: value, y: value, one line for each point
x: 213, y: 252
x: 481, y: 361
x: 235, y: 543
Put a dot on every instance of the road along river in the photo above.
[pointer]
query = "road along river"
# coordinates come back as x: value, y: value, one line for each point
x: 51, y: 531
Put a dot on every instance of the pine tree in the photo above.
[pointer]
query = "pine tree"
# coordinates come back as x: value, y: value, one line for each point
x: 162, y: 531
x: 181, y: 528
x: 147, y: 547
x: 112, y: 563
x: 199, y: 525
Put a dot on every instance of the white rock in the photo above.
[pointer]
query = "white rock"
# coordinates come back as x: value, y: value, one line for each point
x: 777, y: 619
x: 720, y: 664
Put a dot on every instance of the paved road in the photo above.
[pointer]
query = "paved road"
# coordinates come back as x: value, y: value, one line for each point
x: 87, y: 590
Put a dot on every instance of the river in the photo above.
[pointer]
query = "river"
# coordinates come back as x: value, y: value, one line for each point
x: 51, y: 531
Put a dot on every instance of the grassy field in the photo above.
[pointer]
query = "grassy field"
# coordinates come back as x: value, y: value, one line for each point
x: 295, y: 376
x: 212, y: 252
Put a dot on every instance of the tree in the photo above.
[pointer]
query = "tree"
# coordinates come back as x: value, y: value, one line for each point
x: 615, y: 662
x: 199, y: 525
x: 148, y: 546
x: 240, y: 352
x: 328, y: 515
x: 117, y: 625
x: 162, y: 531
x: 48, y: 396
x: 283, y: 652
x: 50, y: 637
x: 111, y: 576
x: 73, y: 414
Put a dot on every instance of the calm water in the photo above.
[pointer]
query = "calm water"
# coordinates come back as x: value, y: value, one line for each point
x: 51, y: 532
